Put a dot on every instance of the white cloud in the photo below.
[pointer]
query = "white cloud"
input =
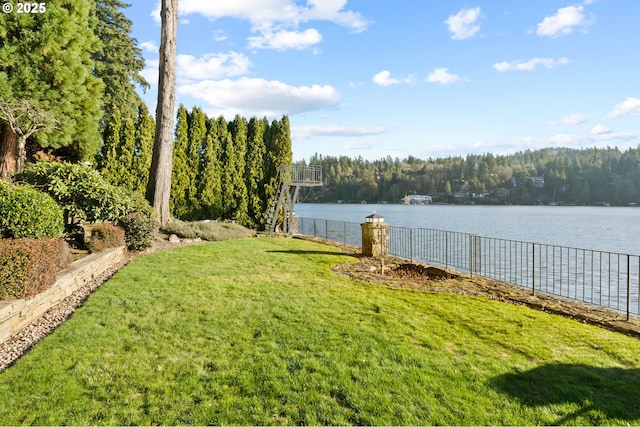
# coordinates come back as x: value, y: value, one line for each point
x: 261, y: 97
x: 361, y: 145
x: 266, y: 12
x: 207, y: 78
x: 530, y: 65
x: 309, y: 131
x: 220, y: 36
x: 206, y: 67
x: 600, y: 130
x: 567, y: 140
x: 283, y: 40
x: 383, y: 78
x: 464, y: 24
x: 275, y: 20
x: 559, y: 140
x: 212, y: 66
x: 332, y: 10
x: 574, y: 119
x: 150, y: 46
x: 630, y: 107
x: 442, y: 76
x: 150, y: 72
x: 564, y: 22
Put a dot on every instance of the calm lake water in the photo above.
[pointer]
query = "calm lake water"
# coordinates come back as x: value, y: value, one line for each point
x: 599, y: 228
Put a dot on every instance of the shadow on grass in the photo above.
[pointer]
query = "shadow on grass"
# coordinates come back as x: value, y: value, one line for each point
x: 303, y: 252
x: 610, y: 392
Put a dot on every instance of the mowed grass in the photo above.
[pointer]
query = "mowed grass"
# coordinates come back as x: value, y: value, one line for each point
x: 259, y: 331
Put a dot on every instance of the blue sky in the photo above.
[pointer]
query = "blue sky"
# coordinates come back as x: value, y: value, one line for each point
x: 427, y: 78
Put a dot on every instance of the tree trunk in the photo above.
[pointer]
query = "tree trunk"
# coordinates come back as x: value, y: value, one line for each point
x: 159, y: 185
x: 8, y: 152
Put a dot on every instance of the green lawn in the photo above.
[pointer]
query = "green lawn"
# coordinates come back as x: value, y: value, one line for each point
x: 259, y: 331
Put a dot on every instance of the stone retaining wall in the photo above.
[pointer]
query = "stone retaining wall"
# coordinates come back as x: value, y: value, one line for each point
x: 17, y: 314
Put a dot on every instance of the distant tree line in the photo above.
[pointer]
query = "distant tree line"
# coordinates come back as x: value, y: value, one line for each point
x: 566, y: 176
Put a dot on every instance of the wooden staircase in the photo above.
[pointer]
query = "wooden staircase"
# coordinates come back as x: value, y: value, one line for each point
x: 289, y: 180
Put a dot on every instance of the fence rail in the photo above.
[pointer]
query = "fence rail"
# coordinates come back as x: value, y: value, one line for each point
x: 605, y: 279
x: 348, y: 233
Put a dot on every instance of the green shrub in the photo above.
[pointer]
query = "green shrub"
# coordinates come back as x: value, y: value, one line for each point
x: 27, y: 212
x: 182, y: 229
x: 30, y: 266
x: 140, y: 205
x: 207, y: 230
x: 82, y: 192
x: 140, y: 231
x: 104, y: 236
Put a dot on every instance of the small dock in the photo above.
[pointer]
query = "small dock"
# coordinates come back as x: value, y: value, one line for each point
x: 289, y: 180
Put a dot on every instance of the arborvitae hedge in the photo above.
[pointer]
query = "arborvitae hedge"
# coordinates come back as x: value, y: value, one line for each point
x: 226, y: 169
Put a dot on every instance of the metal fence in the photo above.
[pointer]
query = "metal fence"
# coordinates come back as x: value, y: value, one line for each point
x: 348, y: 233
x: 600, y: 278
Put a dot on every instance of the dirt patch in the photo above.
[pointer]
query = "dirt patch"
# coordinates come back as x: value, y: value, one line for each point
x: 398, y: 273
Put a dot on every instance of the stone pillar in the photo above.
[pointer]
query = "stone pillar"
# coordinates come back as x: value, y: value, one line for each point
x: 375, y: 236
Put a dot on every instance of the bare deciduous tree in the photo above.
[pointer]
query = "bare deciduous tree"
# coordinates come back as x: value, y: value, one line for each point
x: 23, y: 118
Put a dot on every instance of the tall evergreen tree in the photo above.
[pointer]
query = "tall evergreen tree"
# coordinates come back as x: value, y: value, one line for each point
x: 239, y: 134
x: 127, y: 154
x: 281, y: 142
x: 145, y: 130
x: 108, y: 162
x: 209, y: 180
x: 118, y: 61
x: 180, y: 179
x: 228, y: 161
x: 254, y: 171
x: 197, y: 141
x: 279, y: 151
x: 46, y: 58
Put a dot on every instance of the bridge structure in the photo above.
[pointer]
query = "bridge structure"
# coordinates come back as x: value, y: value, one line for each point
x: 290, y: 179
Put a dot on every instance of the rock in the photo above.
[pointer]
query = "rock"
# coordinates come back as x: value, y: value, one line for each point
x: 174, y: 239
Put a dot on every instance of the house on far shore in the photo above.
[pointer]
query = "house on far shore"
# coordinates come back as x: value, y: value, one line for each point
x: 417, y: 199
x: 537, y: 181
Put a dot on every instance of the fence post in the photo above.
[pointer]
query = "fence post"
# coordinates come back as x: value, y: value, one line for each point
x: 446, y: 250
x: 628, y: 286
x: 533, y: 270
x: 411, y: 244
x: 344, y: 231
x: 471, y: 255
